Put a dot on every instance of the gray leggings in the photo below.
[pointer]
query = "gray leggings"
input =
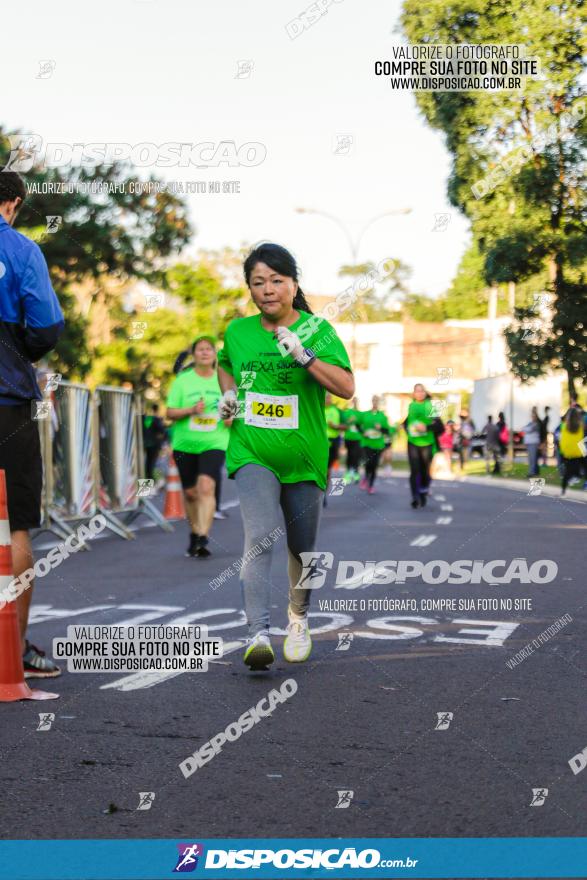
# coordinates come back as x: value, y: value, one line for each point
x: 261, y: 497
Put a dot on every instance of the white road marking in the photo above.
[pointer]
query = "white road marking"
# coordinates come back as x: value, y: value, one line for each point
x: 446, y: 507
x: 439, y: 497
x: 444, y: 520
x: 423, y: 540
x: 139, y: 680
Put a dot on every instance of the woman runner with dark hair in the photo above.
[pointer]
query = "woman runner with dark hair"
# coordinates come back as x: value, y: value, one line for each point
x: 274, y: 370
x: 421, y: 443
x: 199, y: 440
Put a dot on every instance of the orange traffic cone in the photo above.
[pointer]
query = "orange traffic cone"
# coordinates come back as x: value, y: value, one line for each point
x: 173, y: 508
x: 12, y: 684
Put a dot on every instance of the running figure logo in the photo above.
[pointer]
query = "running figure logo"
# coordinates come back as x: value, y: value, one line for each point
x: 53, y: 380
x: 46, y: 68
x: 444, y: 719
x: 46, y: 719
x: 138, y: 329
x: 343, y: 144
x: 23, y: 152
x: 146, y: 799
x: 443, y: 375
x: 153, y: 301
x: 53, y: 222
x: 541, y: 301
x: 41, y: 410
x: 187, y: 861
x: 539, y: 795
x: 313, y: 576
x: 336, y: 485
x: 247, y: 379
x: 536, y: 485
x: 344, y: 800
x: 344, y: 641
x: 244, y: 68
x: 438, y: 407
x: 144, y: 488
x: 441, y: 222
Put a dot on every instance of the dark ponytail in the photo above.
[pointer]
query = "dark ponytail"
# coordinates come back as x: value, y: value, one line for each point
x: 180, y: 361
x: 280, y: 260
x: 300, y: 303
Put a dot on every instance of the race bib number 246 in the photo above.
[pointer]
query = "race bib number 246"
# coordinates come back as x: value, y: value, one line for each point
x: 271, y: 411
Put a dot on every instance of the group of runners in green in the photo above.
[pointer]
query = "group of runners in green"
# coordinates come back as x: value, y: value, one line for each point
x: 263, y: 406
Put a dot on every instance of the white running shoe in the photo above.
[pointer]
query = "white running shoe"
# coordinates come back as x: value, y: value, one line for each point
x: 259, y: 653
x: 298, y: 644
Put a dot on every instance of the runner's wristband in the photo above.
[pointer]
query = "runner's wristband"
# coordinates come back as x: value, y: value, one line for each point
x: 309, y: 358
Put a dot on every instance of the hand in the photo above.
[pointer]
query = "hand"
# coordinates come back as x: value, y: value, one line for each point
x: 198, y: 409
x: 228, y: 405
x: 290, y: 343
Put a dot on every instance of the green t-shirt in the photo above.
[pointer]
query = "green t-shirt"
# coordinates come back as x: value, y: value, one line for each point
x: 332, y: 414
x: 373, y: 426
x: 281, y: 424
x: 351, y: 418
x: 197, y: 433
x: 420, y: 411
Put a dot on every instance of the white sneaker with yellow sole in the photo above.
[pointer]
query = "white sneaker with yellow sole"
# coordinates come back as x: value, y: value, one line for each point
x: 298, y: 643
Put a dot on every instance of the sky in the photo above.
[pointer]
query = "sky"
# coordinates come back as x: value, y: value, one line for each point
x: 155, y: 71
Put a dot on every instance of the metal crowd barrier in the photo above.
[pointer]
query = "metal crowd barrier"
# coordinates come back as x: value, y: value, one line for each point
x: 93, y: 459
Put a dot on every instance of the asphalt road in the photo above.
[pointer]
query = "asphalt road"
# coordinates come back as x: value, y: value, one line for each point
x: 363, y: 719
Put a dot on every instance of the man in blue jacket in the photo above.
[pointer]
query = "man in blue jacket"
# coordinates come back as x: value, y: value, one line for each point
x: 31, y: 322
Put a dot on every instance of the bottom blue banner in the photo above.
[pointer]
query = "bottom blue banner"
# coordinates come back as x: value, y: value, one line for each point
x: 293, y: 857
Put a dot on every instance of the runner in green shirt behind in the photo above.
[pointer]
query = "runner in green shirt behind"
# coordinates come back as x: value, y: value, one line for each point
x: 421, y: 444
x: 374, y: 427
x: 274, y: 370
x: 199, y: 439
x: 333, y: 422
x: 352, y: 441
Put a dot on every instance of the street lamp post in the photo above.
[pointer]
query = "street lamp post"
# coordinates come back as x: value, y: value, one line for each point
x: 354, y: 244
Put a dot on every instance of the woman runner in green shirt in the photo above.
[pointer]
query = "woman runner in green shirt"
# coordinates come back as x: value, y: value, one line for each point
x: 374, y: 426
x: 274, y: 369
x: 421, y: 444
x: 199, y: 439
x: 352, y: 441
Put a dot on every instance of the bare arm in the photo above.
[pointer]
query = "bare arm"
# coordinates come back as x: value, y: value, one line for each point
x: 225, y: 380
x: 335, y: 379
x: 174, y: 413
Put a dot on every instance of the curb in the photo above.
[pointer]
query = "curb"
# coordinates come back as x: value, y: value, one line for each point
x: 519, y: 486
x: 504, y: 483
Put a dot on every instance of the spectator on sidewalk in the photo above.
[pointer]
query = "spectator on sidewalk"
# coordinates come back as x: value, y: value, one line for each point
x: 465, y: 435
x: 492, y: 446
x: 31, y: 322
x: 532, y: 443
x: 446, y: 442
x: 504, y: 434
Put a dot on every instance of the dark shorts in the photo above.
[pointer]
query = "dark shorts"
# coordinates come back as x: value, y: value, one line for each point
x: 191, y: 465
x: 20, y: 459
x: 333, y: 450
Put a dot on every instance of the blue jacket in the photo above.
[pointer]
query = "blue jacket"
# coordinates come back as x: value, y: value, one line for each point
x: 31, y: 319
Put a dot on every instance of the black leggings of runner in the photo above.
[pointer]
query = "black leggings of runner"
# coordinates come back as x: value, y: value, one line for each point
x: 353, y: 454
x: 420, y: 458
x: 572, y: 467
x: 218, y: 490
x: 372, y: 457
x: 151, y: 456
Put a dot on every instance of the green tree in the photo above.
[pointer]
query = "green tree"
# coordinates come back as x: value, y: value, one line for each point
x: 111, y: 234
x: 201, y: 301
x: 380, y: 302
x: 534, y: 218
